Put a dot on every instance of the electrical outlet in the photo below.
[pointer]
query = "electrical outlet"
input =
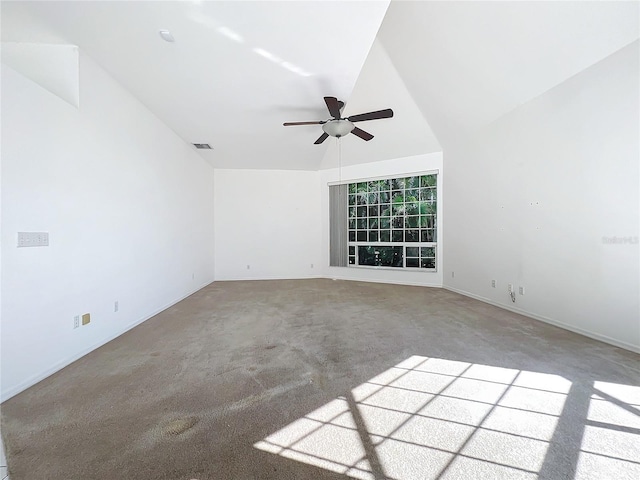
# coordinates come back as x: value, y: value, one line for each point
x: 76, y: 321
x: 521, y: 290
x: 33, y: 239
x: 493, y: 283
x: 116, y: 307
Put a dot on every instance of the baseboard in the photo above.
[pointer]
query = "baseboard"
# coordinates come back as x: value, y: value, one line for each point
x: 248, y: 279
x: 587, y: 333
x: 375, y: 280
x: 13, y: 391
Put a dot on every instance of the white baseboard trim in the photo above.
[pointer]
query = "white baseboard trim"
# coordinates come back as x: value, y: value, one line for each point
x: 375, y: 280
x: 13, y: 391
x: 587, y: 333
x: 248, y: 279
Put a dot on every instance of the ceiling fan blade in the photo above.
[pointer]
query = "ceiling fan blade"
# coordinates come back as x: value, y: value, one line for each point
x: 333, y: 105
x: 289, y: 124
x: 362, y: 134
x: 388, y: 113
x: 322, y: 138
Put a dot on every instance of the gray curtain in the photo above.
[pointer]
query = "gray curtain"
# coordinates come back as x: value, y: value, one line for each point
x: 338, y: 211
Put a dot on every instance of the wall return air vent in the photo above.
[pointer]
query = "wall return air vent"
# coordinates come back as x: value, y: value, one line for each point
x: 202, y: 146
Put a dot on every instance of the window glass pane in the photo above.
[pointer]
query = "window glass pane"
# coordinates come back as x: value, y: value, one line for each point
x: 373, y: 211
x: 352, y: 236
x: 384, y: 197
x: 427, y: 208
x: 412, y: 195
x: 362, y: 187
x: 362, y: 224
x: 397, y: 198
x: 398, y: 183
x: 397, y: 209
x: 352, y: 211
x: 352, y: 250
x: 411, y: 222
x: 412, y: 236
x: 373, y: 222
x: 352, y: 188
x: 428, y: 263
x: 397, y: 222
x: 412, y: 182
x: 428, y: 194
x: 383, y: 184
x: 390, y: 256
x: 372, y: 198
x: 411, y: 209
x: 385, y: 210
x: 385, y: 235
x: 373, y: 186
x: 385, y: 222
x: 427, y: 221
x: 352, y: 260
x: 397, y: 235
x: 428, y: 181
x: 413, y: 262
x: 427, y: 252
x: 366, y: 255
x: 362, y: 236
x: 413, y: 252
x: 352, y: 223
x: 427, y: 236
x: 373, y: 235
x: 362, y: 211
x: 352, y: 199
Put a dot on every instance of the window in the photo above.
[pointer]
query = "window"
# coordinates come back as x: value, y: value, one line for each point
x: 392, y: 222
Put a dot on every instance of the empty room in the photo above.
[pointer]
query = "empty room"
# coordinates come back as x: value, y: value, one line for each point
x: 320, y: 240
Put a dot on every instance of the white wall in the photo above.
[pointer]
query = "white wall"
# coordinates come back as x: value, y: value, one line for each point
x: 269, y: 220
x: 396, y: 167
x: 127, y: 204
x: 534, y: 198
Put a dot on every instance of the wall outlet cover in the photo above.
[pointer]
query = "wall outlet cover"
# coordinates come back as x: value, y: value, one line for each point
x: 86, y: 318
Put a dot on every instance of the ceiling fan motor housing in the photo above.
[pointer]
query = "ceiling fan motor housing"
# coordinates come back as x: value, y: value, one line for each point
x: 338, y: 128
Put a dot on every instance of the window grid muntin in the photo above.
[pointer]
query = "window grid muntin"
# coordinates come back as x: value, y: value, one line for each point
x: 395, y: 212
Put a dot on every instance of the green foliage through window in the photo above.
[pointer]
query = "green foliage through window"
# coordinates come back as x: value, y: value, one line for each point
x: 393, y: 222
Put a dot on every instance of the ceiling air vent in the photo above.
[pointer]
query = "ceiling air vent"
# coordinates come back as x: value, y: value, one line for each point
x: 202, y: 146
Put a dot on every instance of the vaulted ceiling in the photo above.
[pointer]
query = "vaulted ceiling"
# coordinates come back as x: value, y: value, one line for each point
x: 238, y: 70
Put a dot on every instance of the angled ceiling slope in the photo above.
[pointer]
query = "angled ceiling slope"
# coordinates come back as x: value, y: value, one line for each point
x: 235, y: 73
x: 406, y: 134
x: 53, y: 67
x: 469, y: 63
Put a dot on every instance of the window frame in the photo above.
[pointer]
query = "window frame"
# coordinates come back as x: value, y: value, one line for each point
x: 434, y: 224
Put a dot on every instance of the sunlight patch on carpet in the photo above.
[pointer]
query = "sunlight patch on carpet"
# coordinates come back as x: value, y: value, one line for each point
x: 428, y: 418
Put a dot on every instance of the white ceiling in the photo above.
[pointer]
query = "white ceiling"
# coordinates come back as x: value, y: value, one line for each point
x: 468, y: 63
x: 446, y: 68
x: 215, y: 84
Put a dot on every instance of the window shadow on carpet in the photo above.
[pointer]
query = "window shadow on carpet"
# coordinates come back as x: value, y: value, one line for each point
x: 433, y: 418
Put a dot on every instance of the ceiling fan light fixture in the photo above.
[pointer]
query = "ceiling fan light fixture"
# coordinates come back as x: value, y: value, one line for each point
x: 338, y: 128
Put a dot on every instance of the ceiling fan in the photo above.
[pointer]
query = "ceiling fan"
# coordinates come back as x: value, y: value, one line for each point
x: 338, y: 126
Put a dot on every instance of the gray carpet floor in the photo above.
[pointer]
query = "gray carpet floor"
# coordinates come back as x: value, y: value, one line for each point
x: 325, y: 379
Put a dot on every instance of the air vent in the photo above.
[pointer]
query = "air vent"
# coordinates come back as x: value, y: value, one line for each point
x: 202, y: 146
